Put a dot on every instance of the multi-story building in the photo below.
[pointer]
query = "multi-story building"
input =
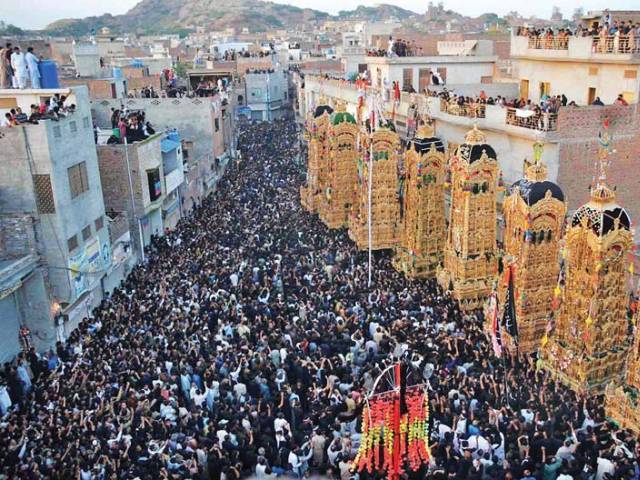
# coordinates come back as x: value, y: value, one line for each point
x: 206, y: 129
x: 581, y: 68
x: 267, y: 93
x: 172, y: 163
x: 133, y: 181
x: 54, y: 237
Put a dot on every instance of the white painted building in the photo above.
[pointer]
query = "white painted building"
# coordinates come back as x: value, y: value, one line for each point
x: 580, y: 68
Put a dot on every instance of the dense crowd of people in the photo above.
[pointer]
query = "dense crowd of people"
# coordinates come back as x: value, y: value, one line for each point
x: 246, y: 343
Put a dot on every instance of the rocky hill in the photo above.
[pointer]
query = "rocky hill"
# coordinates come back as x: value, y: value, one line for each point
x: 169, y: 16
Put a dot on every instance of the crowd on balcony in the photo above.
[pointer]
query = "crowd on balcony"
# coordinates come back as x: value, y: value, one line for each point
x: 53, y: 108
x: 129, y: 125
x: 247, y: 344
x: 232, y: 54
x: 396, y: 48
x: 608, y: 36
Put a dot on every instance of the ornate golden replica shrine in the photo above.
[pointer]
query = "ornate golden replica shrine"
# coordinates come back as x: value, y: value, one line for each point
x: 622, y: 403
x: 385, y: 208
x: 590, y: 342
x: 470, y: 258
x: 317, y: 160
x: 342, y: 169
x: 421, y: 247
x: 534, y: 212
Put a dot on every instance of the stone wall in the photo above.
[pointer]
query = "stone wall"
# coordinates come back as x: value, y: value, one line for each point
x: 17, y: 235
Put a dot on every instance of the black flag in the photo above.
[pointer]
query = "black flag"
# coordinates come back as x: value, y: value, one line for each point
x: 509, y: 322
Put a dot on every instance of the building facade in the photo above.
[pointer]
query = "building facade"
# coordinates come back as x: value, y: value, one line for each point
x: 50, y: 192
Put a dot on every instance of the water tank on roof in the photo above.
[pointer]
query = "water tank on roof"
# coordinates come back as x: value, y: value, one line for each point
x: 174, y: 136
x: 48, y: 74
x: 117, y: 73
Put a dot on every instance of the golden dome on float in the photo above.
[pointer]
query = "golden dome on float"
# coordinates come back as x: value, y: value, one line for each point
x: 475, y: 136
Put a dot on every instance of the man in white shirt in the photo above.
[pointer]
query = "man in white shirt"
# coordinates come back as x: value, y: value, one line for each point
x: 32, y: 65
x: 19, y: 65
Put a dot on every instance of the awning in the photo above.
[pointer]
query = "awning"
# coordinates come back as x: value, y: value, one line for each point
x: 167, y: 145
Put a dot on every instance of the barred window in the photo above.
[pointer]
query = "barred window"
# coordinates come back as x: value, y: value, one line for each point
x: 85, y: 122
x: 99, y: 223
x: 72, y: 243
x: 73, y: 127
x: 56, y: 131
x: 78, y: 181
x: 86, y: 232
x: 44, y: 194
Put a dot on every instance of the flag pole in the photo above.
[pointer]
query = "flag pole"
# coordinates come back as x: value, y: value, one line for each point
x: 372, y: 117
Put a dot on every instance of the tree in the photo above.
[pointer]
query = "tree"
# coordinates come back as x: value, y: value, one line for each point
x: 180, y: 70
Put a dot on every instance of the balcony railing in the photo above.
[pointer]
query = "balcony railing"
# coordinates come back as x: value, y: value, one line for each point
x: 616, y: 44
x: 545, y: 122
x: 549, y: 43
x: 471, y: 110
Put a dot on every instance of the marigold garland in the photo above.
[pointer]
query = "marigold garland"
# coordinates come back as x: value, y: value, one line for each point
x: 382, y: 431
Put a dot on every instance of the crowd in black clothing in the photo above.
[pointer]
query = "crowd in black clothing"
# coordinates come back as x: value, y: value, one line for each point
x: 248, y: 336
x: 260, y: 70
x: 131, y: 125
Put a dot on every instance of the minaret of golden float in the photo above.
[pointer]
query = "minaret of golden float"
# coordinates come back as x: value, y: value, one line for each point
x: 317, y: 129
x: 384, y: 144
x: 534, y: 211
x: 421, y: 248
x: 591, y: 339
x: 622, y: 403
x: 470, y: 258
x: 342, y: 169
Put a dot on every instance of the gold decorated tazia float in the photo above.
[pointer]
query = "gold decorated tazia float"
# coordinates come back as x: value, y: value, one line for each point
x: 470, y: 258
x: 622, y: 403
x: 421, y: 248
x: 534, y: 212
x: 317, y: 130
x: 590, y: 342
x: 384, y: 145
x: 342, y: 169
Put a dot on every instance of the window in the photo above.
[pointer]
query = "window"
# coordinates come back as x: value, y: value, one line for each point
x: 256, y: 92
x: 155, y: 185
x: 44, y: 194
x: 486, y: 79
x: 217, y: 124
x: 73, y: 127
x: 99, y: 223
x: 593, y: 71
x: 72, y: 243
x: 407, y: 79
x: 631, y: 74
x: 86, y: 232
x: 85, y: 122
x: 78, y: 181
x: 56, y: 132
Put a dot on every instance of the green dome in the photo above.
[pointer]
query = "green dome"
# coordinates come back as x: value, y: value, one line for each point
x: 339, y: 117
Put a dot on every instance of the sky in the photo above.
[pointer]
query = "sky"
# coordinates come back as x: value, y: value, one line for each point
x: 41, y: 13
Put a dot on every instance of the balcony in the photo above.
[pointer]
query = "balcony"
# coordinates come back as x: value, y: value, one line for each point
x: 543, y: 122
x: 549, y: 43
x: 617, y: 45
x: 470, y: 110
x: 118, y: 224
x: 606, y: 49
x: 173, y: 180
